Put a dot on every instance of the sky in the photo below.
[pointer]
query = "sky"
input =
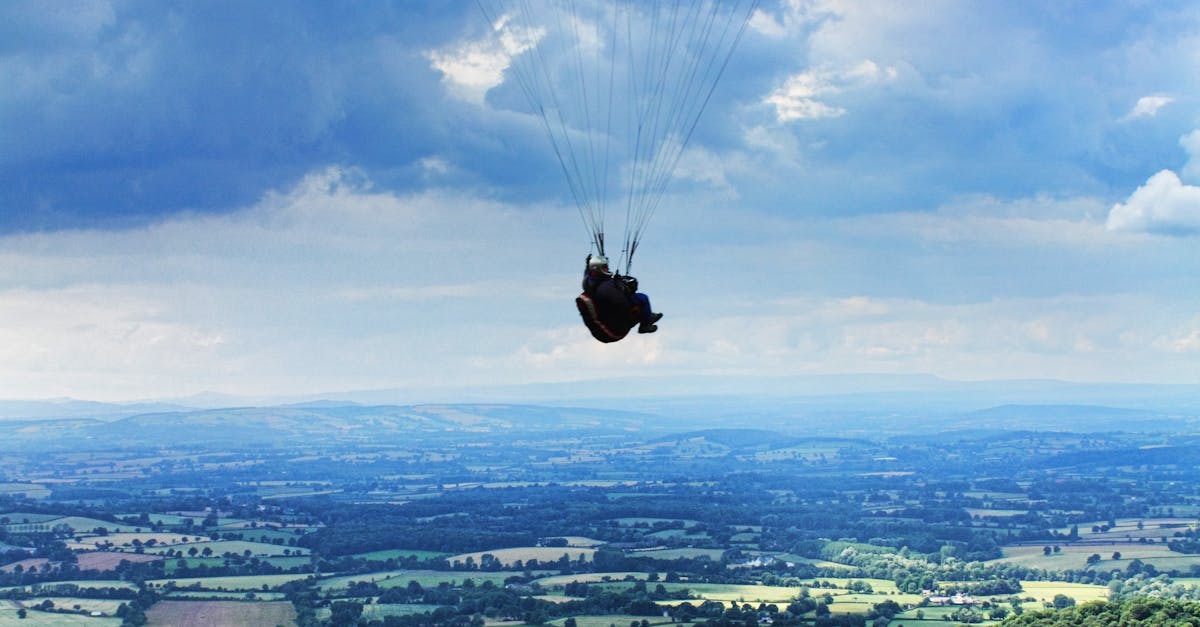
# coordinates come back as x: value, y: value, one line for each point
x: 287, y: 198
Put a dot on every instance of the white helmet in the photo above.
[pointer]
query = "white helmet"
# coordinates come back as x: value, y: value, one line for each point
x: 598, y: 264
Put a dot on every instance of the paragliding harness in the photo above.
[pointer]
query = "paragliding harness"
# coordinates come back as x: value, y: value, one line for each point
x: 609, y: 310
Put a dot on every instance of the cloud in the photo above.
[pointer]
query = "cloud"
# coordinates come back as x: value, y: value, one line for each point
x: 801, y: 97
x: 471, y: 68
x: 1148, y: 107
x: 330, y: 284
x: 1164, y: 206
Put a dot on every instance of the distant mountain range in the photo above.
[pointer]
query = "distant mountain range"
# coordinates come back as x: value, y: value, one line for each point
x: 828, y: 406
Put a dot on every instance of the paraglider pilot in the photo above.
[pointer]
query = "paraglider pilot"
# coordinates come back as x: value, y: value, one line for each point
x: 610, y: 304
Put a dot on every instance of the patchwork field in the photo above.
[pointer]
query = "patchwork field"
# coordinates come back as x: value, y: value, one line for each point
x: 542, y: 554
x: 247, y: 582
x: 209, y: 613
x: 236, y: 547
x: 35, y: 618
x: 674, y: 554
x: 1045, y: 590
x: 562, y: 580
x: 108, y: 560
x: 1075, y: 556
x: 379, y: 556
x: 400, y: 578
x: 125, y: 540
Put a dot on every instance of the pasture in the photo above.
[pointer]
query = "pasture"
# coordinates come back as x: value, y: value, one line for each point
x: 608, y: 620
x: 108, y: 560
x: 208, y: 613
x: 173, y: 563
x: 248, y: 583
x: 543, y: 554
x: 127, y: 539
x: 78, y: 524
x: 1075, y: 556
x: 400, y: 579
x: 562, y: 580
x: 386, y: 554
x: 675, y: 554
x: 84, y: 584
x: 107, y: 606
x: 35, y: 618
x: 25, y: 518
x: 30, y: 490
x: 380, y: 611
x: 650, y: 522
x: 1127, y: 529
x: 1045, y: 590
x: 235, y: 547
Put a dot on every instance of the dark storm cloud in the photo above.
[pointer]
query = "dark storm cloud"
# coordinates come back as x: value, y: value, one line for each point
x: 118, y: 112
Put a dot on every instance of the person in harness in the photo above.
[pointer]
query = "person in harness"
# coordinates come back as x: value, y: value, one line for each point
x: 610, y: 305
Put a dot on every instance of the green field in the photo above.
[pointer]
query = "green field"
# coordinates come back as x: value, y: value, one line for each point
x: 240, y: 583
x: 562, y: 580
x: 35, y: 618
x: 400, y: 578
x: 229, y: 595
x: 379, y: 556
x: 78, y: 524
x: 49, y: 587
x: 31, y: 490
x: 1074, y: 557
x: 208, y: 613
x: 107, y: 606
x: 377, y: 611
x: 236, y: 547
x: 26, y: 517
x: 675, y: 554
x: 540, y: 553
x: 1045, y: 591
x: 633, y: 522
x: 125, y: 539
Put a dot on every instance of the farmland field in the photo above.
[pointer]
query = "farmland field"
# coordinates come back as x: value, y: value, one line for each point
x: 126, y: 539
x: 35, y: 618
x: 31, y: 490
x: 524, y: 554
x: 674, y: 554
x: 1075, y: 556
x: 245, y: 582
x: 87, y: 584
x: 1045, y: 590
x: 107, y: 606
x: 400, y: 578
x: 562, y: 580
x: 379, y: 556
x: 26, y: 517
x: 208, y: 613
x: 108, y: 560
x: 237, y: 547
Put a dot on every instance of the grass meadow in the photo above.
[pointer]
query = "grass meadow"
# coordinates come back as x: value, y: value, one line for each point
x: 400, y: 578
x: 248, y: 583
x: 209, y: 613
x: 542, y: 554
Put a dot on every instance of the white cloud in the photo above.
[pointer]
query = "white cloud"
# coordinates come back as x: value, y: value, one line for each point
x: 471, y: 68
x: 802, y: 96
x: 326, y: 286
x: 1148, y: 107
x: 1164, y: 205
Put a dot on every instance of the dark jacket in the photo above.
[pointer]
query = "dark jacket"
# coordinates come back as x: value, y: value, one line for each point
x: 607, y: 307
